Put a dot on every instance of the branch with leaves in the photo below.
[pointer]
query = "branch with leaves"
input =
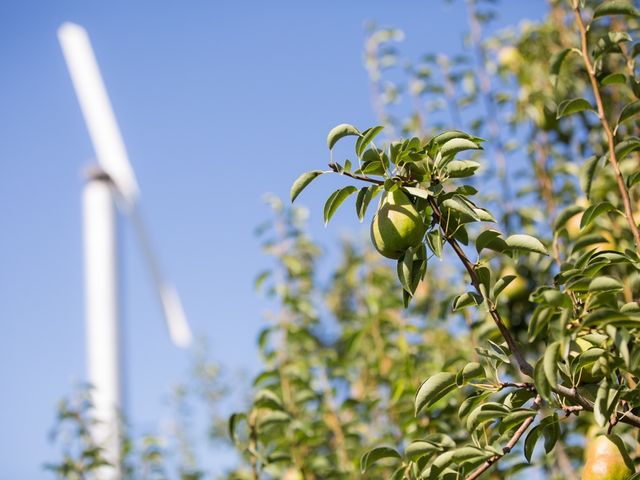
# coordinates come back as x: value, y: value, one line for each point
x: 608, y: 130
x: 424, y: 171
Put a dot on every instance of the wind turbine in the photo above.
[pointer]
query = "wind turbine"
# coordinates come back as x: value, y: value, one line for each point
x: 110, y: 184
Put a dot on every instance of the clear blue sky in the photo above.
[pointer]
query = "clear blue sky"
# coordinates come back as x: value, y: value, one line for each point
x: 218, y: 102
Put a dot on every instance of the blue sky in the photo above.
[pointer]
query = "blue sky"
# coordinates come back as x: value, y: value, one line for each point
x: 218, y: 103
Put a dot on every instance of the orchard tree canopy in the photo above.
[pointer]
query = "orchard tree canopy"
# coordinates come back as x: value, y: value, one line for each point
x: 501, y: 340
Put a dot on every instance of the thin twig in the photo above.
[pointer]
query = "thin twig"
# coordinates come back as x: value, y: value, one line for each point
x: 520, y: 385
x: 355, y: 176
x: 569, y: 409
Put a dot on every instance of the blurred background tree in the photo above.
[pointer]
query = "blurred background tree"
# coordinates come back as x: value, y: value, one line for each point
x: 343, y: 358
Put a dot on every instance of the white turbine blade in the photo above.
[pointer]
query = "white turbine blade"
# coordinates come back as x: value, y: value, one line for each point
x: 176, y: 320
x: 172, y: 307
x: 96, y: 109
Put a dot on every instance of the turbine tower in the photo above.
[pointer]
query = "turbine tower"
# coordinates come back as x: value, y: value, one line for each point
x: 110, y: 186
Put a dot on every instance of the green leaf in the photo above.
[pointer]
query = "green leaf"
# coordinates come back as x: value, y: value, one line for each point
x: 405, y: 270
x: 600, y: 405
x: 515, y: 418
x: 335, y: 200
x: 501, y: 284
x: 587, y: 359
x: 435, y: 241
x: 627, y: 146
x: 441, y: 440
x: 456, y: 145
x: 465, y: 300
x: 484, y: 215
x: 439, y: 465
x: 605, y: 284
x: 551, y: 296
x: 615, y: 439
x: 461, y: 168
x: 629, y: 110
x: 607, y: 316
x: 374, y: 162
x: 574, y: 105
x: 376, y: 454
x: 549, y: 363
x: 433, y: 389
x: 541, y: 381
x: 457, y: 204
x: 341, y: 131
x: 547, y: 426
x: 365, y: 195
x: 610, y: 43
x: 418, y: 192
x: 587, y: 172
x: 526, y: 242
x: 593, y: 212
x: 266, y: 398
x: 501, y: 350
x: 367, y: 137
x: 530, y: 442
x: 471, y: 402
x: 470, y: 455
x: 272, y: 417
x: 485, y: 412
x: 302, y: 181
x: 556, y: 63
x: 551, y: 430
x: 469, y: 372
x: 260, y: 279
x: 488, y: 238
x: 233, y: 422
x: 398, y: 474
x: 565, y: 215
x: 484, y: 276
x: 614, y: 79
x: 633, y: 179
x: 588, y: 240
x: 616, y: 7
x: 444, y: 137
x: 419, y: 448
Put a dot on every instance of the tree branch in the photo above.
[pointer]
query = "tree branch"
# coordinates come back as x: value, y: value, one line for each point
x: 624, y: 193
x: 363, y: 178
x: 524, y: 366
x: 509, y: 446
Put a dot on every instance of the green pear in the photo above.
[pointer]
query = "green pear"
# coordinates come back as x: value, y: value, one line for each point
x: 396, y: 226
x: 607, y: 459
x: 518, y: 289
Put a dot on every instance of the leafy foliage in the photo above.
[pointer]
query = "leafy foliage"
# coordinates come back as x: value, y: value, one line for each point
x: 512, y: 328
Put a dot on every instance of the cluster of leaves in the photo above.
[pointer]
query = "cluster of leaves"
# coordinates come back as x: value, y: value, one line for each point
x: 81, y: 455
x: 583, y: 327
